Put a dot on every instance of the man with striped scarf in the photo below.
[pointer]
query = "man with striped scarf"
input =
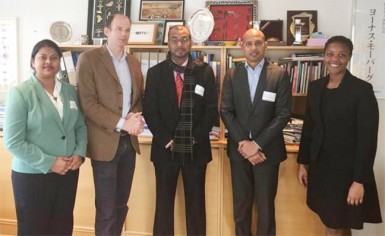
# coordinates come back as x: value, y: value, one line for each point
x: 180, y: 108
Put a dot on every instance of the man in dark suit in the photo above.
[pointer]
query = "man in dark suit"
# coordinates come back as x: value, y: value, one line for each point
x: 110, y: 85
x: 180, y: 120
x: 255, y: 107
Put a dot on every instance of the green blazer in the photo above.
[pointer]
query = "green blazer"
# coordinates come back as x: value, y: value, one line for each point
x: 33, y: 130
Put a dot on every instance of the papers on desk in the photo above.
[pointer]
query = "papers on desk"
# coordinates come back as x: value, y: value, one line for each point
x: 292, y: 131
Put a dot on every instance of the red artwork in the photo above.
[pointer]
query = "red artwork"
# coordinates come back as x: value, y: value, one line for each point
x: 231, y: 21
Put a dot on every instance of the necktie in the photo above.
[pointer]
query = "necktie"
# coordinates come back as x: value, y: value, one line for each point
x: 179, y: 87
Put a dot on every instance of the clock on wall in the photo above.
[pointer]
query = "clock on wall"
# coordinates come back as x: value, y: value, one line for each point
x: 61, y: 31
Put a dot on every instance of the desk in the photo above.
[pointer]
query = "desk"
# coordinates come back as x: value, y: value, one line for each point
x: 293, y: 216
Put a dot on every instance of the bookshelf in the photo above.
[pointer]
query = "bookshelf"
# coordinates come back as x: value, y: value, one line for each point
x: 220, y: 55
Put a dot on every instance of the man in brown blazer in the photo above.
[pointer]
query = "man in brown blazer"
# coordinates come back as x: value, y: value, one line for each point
x: 110, y: 85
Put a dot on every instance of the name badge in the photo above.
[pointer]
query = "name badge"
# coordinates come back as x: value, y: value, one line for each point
x: 73, y: 105
x: 199, y: 90
x: 268, y: 96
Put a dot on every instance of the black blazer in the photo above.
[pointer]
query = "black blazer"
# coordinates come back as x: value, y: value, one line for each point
x: 161, y: 112
x: 348, y: 134
x: 264, y: 119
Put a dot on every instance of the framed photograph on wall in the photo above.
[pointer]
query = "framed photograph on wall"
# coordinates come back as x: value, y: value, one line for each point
x: 98, y: 11
x: 232, y: 18
x: 143, y: 33
x: 167, y: 25
x: 161, y: 10
x: 309, y: 24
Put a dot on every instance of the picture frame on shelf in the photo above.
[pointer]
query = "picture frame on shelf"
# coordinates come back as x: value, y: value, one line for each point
x: 98, y: 11
x: 309, y: 24
x: 232, y: 18
x: 273, y: 30
x: 167, y: 25
x: 160, y: 32
x: 161, y: 10
x: 143, y: 33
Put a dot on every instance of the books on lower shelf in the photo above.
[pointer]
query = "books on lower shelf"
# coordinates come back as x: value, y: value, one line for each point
x: 302, y: 70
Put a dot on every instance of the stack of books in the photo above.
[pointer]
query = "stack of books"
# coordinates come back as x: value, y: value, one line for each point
x: 292, y: 131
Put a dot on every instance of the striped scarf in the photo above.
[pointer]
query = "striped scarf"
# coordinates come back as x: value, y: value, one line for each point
x: 183, y: 139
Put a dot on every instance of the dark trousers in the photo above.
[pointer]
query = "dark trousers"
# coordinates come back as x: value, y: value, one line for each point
x: 194, y: 190
x: 254, y: 183
x: 44, y: 202
x: 113, y: 182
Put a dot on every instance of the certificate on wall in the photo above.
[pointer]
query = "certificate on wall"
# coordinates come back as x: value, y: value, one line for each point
x: 8, y: 52
x: 368, y: 37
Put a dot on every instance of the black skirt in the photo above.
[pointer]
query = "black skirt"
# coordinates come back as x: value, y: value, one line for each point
x: 327, y: 196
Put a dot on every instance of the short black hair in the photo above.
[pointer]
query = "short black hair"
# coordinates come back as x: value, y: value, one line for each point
x: 45, y: 43
x: 342, y: 40
x: 179, y: 27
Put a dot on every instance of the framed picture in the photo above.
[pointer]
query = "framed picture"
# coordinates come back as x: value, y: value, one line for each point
x: 167, y: 25
x: 161, y: 10
x: 143, y: 33
x: 232, y: 18
x: 98, y: 11
x: 273, y: 30
x: 308, y: 20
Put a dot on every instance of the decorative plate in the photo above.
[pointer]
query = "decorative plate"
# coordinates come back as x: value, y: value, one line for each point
x: 201, y: 25
x: 61, y: 31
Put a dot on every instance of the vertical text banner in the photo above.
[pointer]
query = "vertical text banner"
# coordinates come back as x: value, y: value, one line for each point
x: 368, y: 60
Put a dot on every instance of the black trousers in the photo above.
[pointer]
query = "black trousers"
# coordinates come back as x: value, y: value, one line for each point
x: 254, y: 183
x: 194, y: 190
x: 44, y: 202
x: 113, y: 182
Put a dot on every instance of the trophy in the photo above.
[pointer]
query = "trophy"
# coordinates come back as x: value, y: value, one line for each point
x: 298, y: 32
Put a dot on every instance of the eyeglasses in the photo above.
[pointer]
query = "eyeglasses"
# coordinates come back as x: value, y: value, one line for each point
x: 182, y: 40
x: 249, y: 44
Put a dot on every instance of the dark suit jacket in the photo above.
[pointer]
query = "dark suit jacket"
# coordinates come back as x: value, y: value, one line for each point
x: 101, y: 98
x: 264, y: 119
x: 348, y: 134
x: 161, y: 112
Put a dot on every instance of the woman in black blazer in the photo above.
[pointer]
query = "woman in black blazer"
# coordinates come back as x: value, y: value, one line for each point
x: 338, y: 145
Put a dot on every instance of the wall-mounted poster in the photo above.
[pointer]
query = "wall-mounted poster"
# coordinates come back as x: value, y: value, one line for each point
x: 98, y: 11
x: 368, y: 37
x: 161, y: 10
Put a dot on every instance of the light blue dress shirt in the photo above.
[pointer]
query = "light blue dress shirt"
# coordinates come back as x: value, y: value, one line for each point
x: 253, y: 77
x: 123, y: 71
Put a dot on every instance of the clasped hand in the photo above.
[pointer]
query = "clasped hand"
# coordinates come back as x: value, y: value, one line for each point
x: 63, y: 164
x: 134, y: 123
x: 250, y: 151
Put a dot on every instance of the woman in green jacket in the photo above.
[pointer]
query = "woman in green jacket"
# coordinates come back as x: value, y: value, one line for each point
x: 45, y: 131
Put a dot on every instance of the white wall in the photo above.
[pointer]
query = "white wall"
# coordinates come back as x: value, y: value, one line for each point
x: 35, y: 18
x: 334, y: 17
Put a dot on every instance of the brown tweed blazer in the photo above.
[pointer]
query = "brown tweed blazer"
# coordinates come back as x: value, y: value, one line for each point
x: 101, y: 99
